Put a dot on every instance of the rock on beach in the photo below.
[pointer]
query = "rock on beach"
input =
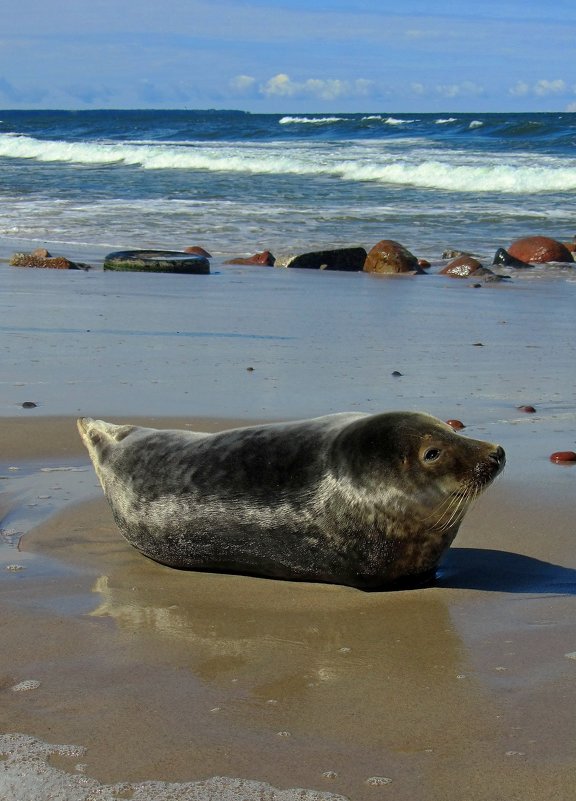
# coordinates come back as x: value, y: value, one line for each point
x: 539, y: 250
x: 390, y: 257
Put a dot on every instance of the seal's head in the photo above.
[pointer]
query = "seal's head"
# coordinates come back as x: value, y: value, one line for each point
x: 425, y: 469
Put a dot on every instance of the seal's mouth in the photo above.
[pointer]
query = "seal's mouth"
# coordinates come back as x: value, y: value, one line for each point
x: 487, y: 470
x: 453, y: 508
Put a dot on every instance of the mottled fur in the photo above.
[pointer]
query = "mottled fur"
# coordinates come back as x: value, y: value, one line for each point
x: 346, y: 498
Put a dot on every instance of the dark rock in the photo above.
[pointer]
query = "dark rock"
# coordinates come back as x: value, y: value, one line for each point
x: 196, y: 250
x: 29, y: 405
x: 157, y: 261
x: 454, y: 254
x: 390, y: 257
x: 341, y: 259
x: 503, y: 259
x: 265, y: 258
x: 539, y: 250
x: 463, y: 267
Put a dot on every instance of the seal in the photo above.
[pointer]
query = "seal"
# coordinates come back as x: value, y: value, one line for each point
x: 350, y: 498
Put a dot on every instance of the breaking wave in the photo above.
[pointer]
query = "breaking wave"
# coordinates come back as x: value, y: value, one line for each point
x: 427, y: 168
x: 310, y: 120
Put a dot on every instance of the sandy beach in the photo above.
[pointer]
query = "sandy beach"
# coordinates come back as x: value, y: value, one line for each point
x: 463, y: 691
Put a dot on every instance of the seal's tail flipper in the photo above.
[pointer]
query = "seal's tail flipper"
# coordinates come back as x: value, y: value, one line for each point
x: 97, y: 434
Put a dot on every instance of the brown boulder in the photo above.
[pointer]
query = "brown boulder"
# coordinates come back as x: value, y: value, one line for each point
x: 391, y: 257
x: 196, y: 250
x: 265, y: 258
x: 462, y: 267
x: 539, y: 250
x: 46, y: 262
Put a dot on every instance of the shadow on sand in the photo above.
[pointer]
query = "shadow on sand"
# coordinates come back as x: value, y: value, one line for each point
x: 500, y: 571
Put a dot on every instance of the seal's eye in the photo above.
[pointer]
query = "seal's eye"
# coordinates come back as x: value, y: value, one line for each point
x: 432, y: 454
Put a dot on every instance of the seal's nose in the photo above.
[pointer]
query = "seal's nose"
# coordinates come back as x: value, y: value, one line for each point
x: 499, y: 456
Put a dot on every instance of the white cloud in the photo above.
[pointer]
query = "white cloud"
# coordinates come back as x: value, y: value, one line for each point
x: 542, y: 88
x: 466, y: 88
x: 520, y: 89
x: 282, y: 85
x: 242, y: 83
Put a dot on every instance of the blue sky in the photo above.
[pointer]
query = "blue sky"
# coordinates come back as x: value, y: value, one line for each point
x: 290, y: 56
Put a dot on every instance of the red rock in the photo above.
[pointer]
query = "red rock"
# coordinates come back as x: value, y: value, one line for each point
x: 563, y: 456
x: 527, y: 409
x: 265, y: 258
x: 457, y: 425
x: 539, y: 250
x: 196, y: 250
x: 391, y: 257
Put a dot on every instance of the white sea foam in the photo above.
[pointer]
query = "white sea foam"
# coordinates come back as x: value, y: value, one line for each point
x: 445, y: 120
x: 476, y: 124
x: 397, y: 121
x: 312, y: 120
x: 429, y: 168
x: 26, y: 775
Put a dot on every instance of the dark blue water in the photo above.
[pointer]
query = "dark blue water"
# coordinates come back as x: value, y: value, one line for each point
x: 237, y: 182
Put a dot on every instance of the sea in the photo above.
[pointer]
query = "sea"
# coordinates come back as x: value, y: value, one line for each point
x: 236, y: 183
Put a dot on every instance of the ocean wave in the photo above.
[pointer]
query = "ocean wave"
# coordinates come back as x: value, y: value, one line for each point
x: 452, y: 170
x: 397, y: 121
x: 310, y: 120
x: 445, y: 120
x: 476, y: 124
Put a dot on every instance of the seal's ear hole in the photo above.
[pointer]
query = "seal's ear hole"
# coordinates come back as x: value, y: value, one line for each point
x: 95, y: 437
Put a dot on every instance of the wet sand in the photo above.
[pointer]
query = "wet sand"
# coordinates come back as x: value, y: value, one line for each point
x: 464, y: 690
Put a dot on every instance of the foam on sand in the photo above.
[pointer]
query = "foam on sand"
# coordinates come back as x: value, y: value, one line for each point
x: 26, y: 775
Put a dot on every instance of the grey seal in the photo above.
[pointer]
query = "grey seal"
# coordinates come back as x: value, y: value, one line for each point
x: 350, y: 498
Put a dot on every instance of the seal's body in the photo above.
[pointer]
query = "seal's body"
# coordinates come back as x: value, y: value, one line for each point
x: 357, y: 499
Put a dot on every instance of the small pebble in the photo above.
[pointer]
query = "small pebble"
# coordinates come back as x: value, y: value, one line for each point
x: 396, y: 374
x: 563, y: 456
x: 330, y: 774
x: 249, y: 369
x: 378, y: 781
x: 527, y: 409
x: 24, y: 686
x: 478, y: 344
x: 29, y: 405
x: 456, y: 424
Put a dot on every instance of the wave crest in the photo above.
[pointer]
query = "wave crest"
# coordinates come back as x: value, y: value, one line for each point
x: 428, y: 168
